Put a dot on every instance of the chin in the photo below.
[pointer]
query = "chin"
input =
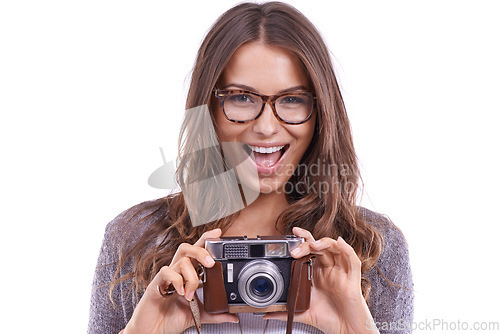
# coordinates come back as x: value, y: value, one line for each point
x: 268, y: 186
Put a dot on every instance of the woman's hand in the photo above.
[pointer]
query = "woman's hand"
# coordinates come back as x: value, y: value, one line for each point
x: 156, y: 314
x: 337, y: 303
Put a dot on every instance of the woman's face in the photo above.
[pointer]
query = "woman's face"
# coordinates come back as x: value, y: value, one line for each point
x: 267, y: 70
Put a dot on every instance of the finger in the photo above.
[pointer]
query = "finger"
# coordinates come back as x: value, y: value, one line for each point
x: 216, y: 318
x: 215, y: 233
x: 283, y: 316
x: 165, y: 277
x: 207, y: 318
x: 300, y: 232
x: 190, y: 277
x: 304, y: 248
x: 197, y: 253
x: 351, y: 257
x: 328, y: 254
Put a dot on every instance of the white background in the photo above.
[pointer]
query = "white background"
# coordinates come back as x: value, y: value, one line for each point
x: 89, y: 91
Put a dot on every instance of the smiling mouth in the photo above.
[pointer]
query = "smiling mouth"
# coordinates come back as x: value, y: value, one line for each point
x: 268, y: 156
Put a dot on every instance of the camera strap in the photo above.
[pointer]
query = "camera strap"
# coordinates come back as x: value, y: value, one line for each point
x: 298, y: 270
x: 195, y: 311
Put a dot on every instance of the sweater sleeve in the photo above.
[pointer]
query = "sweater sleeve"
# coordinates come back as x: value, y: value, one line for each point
x: 106, y: 317
x: 391, y: 298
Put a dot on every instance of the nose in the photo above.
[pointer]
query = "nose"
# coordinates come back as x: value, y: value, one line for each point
x: 267, y: 124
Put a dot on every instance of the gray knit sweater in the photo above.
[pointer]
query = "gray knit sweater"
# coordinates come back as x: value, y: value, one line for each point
x: 391, y: 305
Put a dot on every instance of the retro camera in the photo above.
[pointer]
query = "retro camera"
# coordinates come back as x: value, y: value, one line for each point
x: 254, y: 275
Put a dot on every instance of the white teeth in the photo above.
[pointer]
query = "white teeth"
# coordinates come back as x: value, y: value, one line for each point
x: 260, y: 149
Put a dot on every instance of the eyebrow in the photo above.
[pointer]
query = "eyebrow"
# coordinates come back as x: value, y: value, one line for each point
x: 245, y: 87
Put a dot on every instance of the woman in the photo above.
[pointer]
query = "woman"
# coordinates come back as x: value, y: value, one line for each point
x: 267, y: 78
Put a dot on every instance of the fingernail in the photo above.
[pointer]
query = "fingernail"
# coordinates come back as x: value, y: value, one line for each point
x: 209, y: 261
x: 190, y: 296
x: 181, y: 291
x: 296, y: 251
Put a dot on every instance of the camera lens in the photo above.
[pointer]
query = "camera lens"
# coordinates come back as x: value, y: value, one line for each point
x: 261, y: 286
x: 260, y: 283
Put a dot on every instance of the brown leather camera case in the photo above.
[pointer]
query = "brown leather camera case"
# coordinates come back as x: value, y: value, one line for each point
x: 299, y: 292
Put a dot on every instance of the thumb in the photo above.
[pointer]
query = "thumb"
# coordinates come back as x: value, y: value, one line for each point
x: 218, y: 318
x: 208, y: 318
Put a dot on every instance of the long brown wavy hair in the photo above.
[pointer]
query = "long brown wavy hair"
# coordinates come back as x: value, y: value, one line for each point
x: 327, y: 212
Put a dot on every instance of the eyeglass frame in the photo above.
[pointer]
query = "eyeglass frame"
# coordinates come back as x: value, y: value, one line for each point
x: 222, y: 93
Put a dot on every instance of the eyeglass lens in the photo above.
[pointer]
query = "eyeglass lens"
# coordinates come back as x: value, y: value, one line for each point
x: 293, y: 108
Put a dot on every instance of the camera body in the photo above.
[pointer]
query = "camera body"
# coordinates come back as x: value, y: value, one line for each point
x: 253, y: 275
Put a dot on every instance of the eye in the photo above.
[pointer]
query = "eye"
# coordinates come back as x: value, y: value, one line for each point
x: 293, y: 99
x: 241, y: 98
